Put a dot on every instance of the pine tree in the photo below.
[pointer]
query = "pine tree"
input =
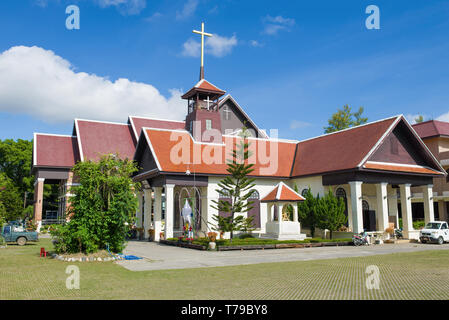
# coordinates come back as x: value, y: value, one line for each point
x: 236, y: 186
x: 330, y: 212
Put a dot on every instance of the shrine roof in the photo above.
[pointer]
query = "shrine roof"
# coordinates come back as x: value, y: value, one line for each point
x: 282, y: 192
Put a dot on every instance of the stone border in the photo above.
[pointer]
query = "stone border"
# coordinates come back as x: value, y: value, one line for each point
x: 258, y: 246
x: 183, y: 244
x: 84, y: 259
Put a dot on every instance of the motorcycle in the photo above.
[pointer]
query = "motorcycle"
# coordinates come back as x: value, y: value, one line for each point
x: 398, y: 234
x: 360, y: 239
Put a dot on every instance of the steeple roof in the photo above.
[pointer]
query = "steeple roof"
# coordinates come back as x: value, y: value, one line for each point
x: 205, y: 87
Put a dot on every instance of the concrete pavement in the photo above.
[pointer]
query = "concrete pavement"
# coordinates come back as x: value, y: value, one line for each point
x: 161, y: 257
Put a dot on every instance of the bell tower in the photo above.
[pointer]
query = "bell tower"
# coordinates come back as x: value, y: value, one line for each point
x: 203, y: 119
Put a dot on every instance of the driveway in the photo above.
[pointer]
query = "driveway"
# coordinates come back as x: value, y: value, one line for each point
x: 161, y: 257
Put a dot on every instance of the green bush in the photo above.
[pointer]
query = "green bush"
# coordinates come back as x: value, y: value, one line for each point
x: 102, y: 207
x: 246, y: 236
x: 419, y: 224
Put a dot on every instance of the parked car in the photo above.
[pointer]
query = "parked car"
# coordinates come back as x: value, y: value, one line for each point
x: 17, y: 233
x: 435, y: 231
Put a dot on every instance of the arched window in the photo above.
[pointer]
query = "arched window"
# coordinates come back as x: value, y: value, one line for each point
x: 304, y: 192
x: 365, y: 205
x: 255, y: 208
x: 224, y: 196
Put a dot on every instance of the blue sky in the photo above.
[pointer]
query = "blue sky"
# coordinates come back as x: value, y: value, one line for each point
x: 289, y: 64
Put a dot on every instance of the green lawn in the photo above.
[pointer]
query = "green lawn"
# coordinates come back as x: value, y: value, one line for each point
x: 418, y: 275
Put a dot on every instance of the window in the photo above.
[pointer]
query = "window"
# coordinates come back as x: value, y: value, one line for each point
x: 254, y: 195
x: 444, y: 226
x: 191, y: 126
x: 208, y: 124
x: 394, y: 145
x: 226, y: 113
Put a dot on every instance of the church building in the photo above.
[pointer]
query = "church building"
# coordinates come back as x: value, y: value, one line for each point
x: 373, y: 167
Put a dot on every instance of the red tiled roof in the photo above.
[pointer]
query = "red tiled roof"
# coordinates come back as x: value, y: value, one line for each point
x: 167, y: 148
x: 203, y: 86
x: 282, y: 192
x: 96, y: 138
x: 55, y: 150
x: 432, y: 128
x: 206, y: 85
x: 337, y: 151
x: 139, y: 122
x: 402, y: 168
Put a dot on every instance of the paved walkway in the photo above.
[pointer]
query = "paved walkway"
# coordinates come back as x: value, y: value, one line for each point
x: 161, y: 257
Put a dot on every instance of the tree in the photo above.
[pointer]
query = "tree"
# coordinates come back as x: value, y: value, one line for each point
x: 419, y: 119
x: 15, y: 163
x: 102, y: 206
x: 307, y: 210
x: 236, y: 186
x: 344, y: 119
x: 330, y: 212
x: 11, y: 203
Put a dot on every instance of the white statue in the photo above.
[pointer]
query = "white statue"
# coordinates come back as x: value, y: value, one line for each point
x: 187, y: 216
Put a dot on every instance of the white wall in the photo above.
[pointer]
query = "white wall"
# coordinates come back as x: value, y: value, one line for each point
x: 263, y: 186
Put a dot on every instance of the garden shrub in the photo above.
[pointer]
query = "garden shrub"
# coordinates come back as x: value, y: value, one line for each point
x: 102, y: 207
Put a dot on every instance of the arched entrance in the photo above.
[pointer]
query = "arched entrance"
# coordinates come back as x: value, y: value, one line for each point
x: 369, y: 217
x: 193, y: 196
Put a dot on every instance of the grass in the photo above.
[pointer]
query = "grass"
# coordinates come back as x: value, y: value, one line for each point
x: 417, y: 275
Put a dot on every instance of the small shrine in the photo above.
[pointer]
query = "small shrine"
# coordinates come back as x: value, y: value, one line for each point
x: 281, y: 200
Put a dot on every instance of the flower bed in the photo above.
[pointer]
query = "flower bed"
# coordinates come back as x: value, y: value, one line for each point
x: 254, y: 243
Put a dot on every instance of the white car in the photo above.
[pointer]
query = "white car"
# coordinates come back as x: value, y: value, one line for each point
x: 435, y: 231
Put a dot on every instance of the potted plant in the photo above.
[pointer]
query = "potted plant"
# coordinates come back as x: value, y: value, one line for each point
x: 151, y: 235
x: 141, y: 233
x: 212, y: 237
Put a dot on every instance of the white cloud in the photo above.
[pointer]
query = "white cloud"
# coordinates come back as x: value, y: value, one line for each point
x: 216, y: 45
x: 296, y: 124
x: 255, y: 43
x: 126, y: 7
x: 275, y: 24
x: 153, y: 17
x: 39, y: 83
x: 443, y: 117
x: 191, y: 48
x: 188, y: 10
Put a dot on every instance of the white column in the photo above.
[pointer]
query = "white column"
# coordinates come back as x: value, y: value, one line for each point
x: 169, y: 210
x: 280, y: 207
x: 442, y: 211
x: 382, y: 206
x: 393, y: 206
x: 157, y: 212
x: 429, y: 214
x: 204, y: 202
x: 356, y: 206
x: 406, y: 209
x: 147, y: 211
x: 295, y: 212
